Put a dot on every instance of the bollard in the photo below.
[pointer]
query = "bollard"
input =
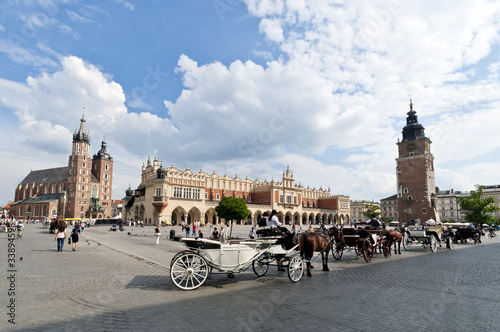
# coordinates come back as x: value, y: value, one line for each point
x: 172, y: 234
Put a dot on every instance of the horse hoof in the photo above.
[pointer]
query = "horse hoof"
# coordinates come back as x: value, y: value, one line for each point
x: 309, y: 275
x: 326, y: 269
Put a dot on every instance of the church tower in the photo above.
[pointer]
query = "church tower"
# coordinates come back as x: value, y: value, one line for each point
x: 416, y: 198
x: 101, y: 186
x: 79, y: 174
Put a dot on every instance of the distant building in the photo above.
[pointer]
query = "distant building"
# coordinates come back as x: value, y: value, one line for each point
x: 416, y: 189
x: 173, y: 196
x: 494, y: 191
x: 80, y: 190
x: 388, y: 207
x: 357, y: 209
x: 116, y: 208
x: 449, y: 205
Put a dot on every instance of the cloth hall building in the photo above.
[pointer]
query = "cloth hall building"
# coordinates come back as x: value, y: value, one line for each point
x: 172, y: 196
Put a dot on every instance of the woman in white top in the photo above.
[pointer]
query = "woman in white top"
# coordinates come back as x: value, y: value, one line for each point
x: 60, y: 236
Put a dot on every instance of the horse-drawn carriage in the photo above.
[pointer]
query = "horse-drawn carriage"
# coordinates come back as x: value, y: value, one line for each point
x: 189, y: 269
x: 359, y: 238
x: 427, y: 235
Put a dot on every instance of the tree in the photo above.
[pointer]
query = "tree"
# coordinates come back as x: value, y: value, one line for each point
x: 479, y: 208
x: 371, y: 209
x: 232, y: 208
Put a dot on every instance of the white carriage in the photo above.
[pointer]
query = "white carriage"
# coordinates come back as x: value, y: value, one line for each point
x: 427, y: 236
x: 189, y: 269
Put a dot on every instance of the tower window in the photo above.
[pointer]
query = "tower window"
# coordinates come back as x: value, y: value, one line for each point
x: 405, y: 190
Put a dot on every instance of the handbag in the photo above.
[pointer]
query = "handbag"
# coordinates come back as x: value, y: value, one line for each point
x: 69, y: 240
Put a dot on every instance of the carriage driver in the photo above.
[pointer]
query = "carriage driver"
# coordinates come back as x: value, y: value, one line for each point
x: 374, y: 222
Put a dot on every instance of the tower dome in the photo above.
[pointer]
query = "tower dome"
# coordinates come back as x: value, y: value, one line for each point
x: 129, y: 192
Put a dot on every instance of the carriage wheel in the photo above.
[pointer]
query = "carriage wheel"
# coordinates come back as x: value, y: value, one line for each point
x: 449, y: 242
x: 337, y: 251
x: 358, y: 249
x: 386, y: 248
x: 295, y: 268
x: 261, y: 265
x: 189, y: 270
x: 367, y: 250
x: 433, y: 243
x: 406, y: 241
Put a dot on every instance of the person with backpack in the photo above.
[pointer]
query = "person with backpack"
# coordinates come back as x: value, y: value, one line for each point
x: 75, y: 236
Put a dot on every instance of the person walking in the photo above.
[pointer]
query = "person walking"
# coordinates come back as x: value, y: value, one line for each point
x: 157, y: 233
x: 75, y: 236
x: 194, y: 229
x: 251, y: 235
x: 187, y: 230
x: 60, y: 236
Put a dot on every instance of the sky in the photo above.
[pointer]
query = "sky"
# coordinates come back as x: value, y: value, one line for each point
x: 252, y: 87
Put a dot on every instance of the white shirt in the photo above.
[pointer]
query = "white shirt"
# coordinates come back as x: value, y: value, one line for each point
x: 273, y: 222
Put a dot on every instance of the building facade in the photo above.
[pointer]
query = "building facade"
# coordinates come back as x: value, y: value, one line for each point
x: 173, y: 196
x: 449, y: 205
x: 416, y: 189
x: 358, y: 207
x: 494, y: 191
x: 80, y: 190
x: 389, y: 208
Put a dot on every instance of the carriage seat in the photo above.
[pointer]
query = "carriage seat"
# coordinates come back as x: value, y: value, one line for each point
x: 268, y: 232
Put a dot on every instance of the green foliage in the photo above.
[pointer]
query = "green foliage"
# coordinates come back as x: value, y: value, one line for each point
x: 232, y: 208
x: 480, y: 208
x: 372, y: 209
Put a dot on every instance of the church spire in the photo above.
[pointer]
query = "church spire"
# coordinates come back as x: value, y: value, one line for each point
x: 413, y: 129
x: 82, y: 135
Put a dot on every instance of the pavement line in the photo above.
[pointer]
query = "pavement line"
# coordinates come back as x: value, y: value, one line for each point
x: 139, y: 258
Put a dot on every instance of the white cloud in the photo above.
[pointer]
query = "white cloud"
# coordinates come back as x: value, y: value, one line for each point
x: 24, y: 56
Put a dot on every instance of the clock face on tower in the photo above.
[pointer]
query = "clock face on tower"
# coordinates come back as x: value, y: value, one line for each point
x: 411, y: 147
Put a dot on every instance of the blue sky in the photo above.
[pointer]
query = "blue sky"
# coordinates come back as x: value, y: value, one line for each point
x: 249, y: 87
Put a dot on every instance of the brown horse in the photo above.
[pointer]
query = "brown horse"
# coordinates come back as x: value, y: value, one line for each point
x: 393, y: 237
x: 314, y: 242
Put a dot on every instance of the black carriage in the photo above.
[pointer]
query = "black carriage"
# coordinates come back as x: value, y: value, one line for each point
x: 358, y: 238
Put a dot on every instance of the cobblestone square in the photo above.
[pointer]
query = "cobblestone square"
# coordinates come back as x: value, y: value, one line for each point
x: 119, y: 281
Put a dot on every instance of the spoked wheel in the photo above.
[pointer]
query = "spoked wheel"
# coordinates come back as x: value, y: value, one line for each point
x: 449, y: 243
x: 295, y: 268
x: 337, y: 251
x: 433, y: 243
x: 406, y: 242
x: 261, y: 265
x: 386, y: 248
x: 358, y: 250
x: 367, y: 250
x: 189, y: 270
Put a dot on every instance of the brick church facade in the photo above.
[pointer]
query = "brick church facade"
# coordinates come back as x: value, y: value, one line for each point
x: 416, y: 189
x: 80, y: 190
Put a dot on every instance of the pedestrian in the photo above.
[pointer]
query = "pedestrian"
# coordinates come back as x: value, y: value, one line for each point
x: 75, y: 236
x: 200, y: 234
x: 187, y: 230
x: 60, y: 236
x: 194, y: 229
x: 251, y: 235
x: 157, y: 233
x: 293, y: 228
